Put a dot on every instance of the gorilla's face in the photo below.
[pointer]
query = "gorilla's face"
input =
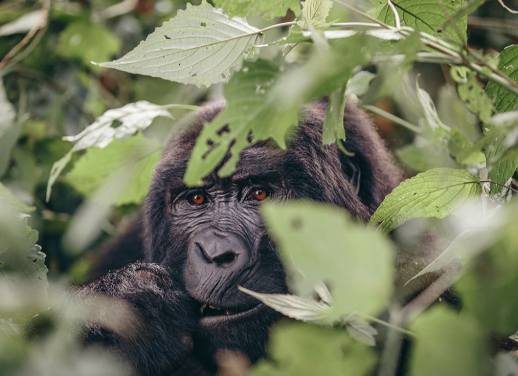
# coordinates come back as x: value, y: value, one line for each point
x: 225, y: 242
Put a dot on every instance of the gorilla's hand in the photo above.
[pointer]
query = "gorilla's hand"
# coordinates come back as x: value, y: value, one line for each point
x: 156, y: 337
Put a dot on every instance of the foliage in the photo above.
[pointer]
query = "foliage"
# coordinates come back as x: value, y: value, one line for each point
x: 456, y: 130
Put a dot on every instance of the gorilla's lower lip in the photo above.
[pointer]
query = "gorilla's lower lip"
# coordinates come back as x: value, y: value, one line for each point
x: 225, y: 317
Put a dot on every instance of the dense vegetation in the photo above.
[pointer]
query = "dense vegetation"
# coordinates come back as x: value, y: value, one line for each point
x: 80, y: 135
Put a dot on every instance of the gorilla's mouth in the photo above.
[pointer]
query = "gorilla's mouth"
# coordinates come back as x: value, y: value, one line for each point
x: 212, y: 315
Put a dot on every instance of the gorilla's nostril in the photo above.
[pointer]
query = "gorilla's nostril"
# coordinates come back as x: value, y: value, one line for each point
x: 225, y: 259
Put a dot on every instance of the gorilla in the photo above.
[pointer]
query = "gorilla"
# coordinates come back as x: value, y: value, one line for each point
x: 179, y: 263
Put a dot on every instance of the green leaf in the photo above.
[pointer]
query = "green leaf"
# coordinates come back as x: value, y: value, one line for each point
x: 250, y: 115
x: 431, y: 194
x: 301, y: 349
x: 314, y: 13
x: 505, y: 100
x: 426, y: 16
x: 293, y: 306
x: 503, y: 169
x: 472, y: 93
x: 489, y: 284
x: 8, y: 199
x: 359, y: 83
x: 199, y: 46
x: 87, y: 42
x: 9, y: 130
x: 448, y: 344
x: 334, y: 122
x: 137, y: 153
x: 319, y: 243
x: 422, y: 155
x: 267, y: 9
x: 114, y: 124
x: 19, y: 252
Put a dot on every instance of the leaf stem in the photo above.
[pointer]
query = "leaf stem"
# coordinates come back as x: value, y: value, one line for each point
x: 274, y: 26
x: 388, y: 325
x: 188, y: 107
x: 394, y: 118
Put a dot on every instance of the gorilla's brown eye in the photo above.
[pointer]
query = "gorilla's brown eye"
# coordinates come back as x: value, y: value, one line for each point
x: 259, y: 194
x: 197, y: 198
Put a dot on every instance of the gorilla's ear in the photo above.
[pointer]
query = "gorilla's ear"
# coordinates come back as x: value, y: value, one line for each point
x: 370, y: 168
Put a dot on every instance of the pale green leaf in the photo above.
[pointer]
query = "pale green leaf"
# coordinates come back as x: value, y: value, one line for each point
x: 9, y: 130
x: 358, y: 84
x: 423, y: 155
x: 426, y: 16
x: 361, y: 330
x: 319, y: 243
x: 298, y: 349
x: 505, y: 100
x: 296, y: 307
x: 503, y: 170
x: 448, y: 344
x: 431, y: 194
x: 199, y: 46
x: 114, y: 124
x: 87, y: 42
x: 267, y: 9
x: 93, y: 168
x: 315, y: 12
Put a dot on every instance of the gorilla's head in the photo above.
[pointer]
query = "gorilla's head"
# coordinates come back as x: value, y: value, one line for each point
x: 212, y: 237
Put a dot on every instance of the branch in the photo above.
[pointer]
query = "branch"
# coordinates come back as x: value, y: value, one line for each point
x: 36, y: 28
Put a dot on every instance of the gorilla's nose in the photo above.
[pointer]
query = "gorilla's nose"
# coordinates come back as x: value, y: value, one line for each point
x: 221, y: 251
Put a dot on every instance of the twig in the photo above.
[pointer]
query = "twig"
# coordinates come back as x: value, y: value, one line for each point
x: 501, y: 2
x: 119, y: 9
x: 29, y: 36
x: 433, y: 292
x: 391, y: 117
x: 392, y: 346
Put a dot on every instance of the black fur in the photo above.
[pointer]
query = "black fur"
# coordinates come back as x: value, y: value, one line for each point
x: 170, y: 233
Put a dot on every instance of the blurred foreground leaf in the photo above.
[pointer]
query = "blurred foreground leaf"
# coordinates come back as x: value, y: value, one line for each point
x: 87, y: 42
x: 97, y: 165
x: 249, y: 116
x: 448, y: 344
x: 303, y: 350
x: 319, y: 243
x: 489, y: 285
x: 9, y: 129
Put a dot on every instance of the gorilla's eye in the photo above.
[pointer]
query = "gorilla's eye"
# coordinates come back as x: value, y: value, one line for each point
x: 258, y: 194
x: 197, y: 198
